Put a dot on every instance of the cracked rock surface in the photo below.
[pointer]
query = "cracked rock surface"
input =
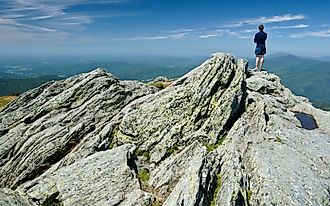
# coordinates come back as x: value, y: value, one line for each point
x: 219, y: 135
x: 104, y: 178
x: 59, y: 122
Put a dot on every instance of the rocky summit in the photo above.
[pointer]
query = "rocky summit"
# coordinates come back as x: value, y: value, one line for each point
x: 219, y: 135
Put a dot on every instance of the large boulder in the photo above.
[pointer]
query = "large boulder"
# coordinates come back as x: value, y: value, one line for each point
x: 9, y: 197
x: 268, y: 158
x: 205, y: 102
x: 105, y: 178
x: 42, y: 126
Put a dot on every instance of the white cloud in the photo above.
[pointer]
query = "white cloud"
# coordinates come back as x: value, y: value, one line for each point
x: 40, y: 17
x: 324, y: 33
x: 212, y: 33
x: 205, y: 36
x: 298, y: 26
x: 35, y: 27
x: 223, y: 33
x: 168, y: 36
x: 44, y: 16
x: 275, y: 19
x: 248, y: 31
x: 232, y: 25
x: 179, y: 35
x: 193, y: 34
x: 152, y: 38
x: 244, y: 37
x: 138, y: 38
x: 21, y: 35
x: 183, y: 30
x: 11, y: 22
x: 265, y: 20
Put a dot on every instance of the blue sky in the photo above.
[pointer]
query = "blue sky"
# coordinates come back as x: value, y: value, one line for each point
x: 162, y: 27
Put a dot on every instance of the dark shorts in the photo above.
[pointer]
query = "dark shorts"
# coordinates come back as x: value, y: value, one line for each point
x: 260, y: 50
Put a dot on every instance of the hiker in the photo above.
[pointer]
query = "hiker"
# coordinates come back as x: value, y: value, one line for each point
x: 260, y: 51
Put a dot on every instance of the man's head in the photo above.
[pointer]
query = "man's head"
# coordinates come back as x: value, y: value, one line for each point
x: 261, y: 27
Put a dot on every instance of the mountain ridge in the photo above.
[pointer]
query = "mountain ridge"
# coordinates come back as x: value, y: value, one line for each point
x: 219, y: 135
x: 305, y: 76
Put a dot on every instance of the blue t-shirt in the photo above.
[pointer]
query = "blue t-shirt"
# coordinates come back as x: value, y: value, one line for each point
x: 260, y: 38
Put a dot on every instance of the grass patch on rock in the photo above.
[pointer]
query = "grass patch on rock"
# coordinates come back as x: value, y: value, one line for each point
x: 211, y: 147
x: 156, y: 203
x: 112, y: 135
x: 145, y: 154
x: 5, y: 100
x: 278, y: 139
x: 217, y: 189
x: 143, y: 175
x: 171, y: 150
x: 112, y: 145
x: 161, y: 84
x: 249, y: 193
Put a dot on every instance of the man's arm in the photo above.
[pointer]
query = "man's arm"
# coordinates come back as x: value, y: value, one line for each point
x: 255, y: 38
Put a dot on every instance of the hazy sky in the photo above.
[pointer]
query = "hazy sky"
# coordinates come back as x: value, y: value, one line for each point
x: 162, y: 27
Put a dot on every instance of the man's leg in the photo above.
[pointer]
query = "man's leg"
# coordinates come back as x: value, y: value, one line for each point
x: 257, y: 61
x: 261, y: 61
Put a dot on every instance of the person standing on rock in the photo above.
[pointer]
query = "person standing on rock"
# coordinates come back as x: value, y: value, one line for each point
x: 260, y: 51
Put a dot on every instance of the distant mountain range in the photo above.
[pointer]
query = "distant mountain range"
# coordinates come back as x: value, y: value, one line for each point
x: 125, y: 67
x: 305, y: 76
x: 11, y: 86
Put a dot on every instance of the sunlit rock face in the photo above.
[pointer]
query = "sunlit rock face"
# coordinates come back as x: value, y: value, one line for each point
x: 219, y: 135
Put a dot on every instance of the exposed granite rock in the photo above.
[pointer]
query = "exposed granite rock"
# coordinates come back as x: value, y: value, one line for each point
x: 268, y: 158
x: 105, y: 178
x: 44, y: 125
x: 213, y: 137
x: 9, y: 197
x: 206, y: 101
x: 188, y: 190
x: 168, y: 173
